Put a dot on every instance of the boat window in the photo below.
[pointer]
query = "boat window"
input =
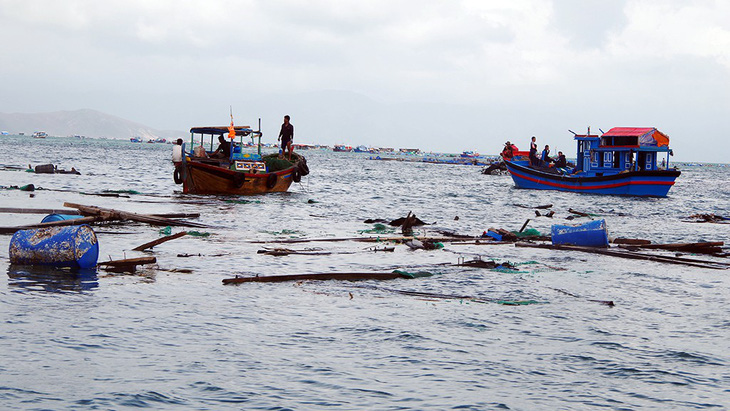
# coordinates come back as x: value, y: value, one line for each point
x: 607, y: 157
x: 649, y: 163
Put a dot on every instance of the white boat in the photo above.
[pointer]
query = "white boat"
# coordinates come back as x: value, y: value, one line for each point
x: 40, y: 134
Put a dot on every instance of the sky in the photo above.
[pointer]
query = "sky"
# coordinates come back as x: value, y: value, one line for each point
x: 442, y: 76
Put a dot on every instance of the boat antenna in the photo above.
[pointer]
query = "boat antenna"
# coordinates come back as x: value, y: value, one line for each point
x: 574, y: 133
x: 259, y: 132
x: 602, y: 132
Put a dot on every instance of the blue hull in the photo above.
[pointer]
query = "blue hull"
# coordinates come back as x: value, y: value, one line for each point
x: 634, y: 183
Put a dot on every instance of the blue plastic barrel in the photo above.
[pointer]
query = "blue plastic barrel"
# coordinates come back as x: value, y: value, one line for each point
x: 70, y: 246
x: 592, y: 234
x: 59, y: 217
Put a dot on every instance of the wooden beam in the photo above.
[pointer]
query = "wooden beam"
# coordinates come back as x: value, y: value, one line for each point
x: 317, y: 276
x: 159, y: 241
x: 111, y: 214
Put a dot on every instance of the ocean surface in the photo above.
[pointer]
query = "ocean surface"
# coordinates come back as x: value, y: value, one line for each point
x: 172, y: 336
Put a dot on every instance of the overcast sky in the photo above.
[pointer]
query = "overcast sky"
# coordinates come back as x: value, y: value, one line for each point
x: 439, y: 75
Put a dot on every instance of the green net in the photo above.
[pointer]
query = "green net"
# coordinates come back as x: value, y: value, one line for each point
x: 198, y: 234
x: 274, y: 163
x: 527, y: 233
x: 418, y: 274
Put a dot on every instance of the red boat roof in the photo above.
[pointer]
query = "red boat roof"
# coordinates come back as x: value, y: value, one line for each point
x: 660, y: 138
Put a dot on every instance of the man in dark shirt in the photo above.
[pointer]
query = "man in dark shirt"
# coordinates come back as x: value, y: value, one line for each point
x: 223, y: 150
x: 561, y: 162
x: 286, y: 135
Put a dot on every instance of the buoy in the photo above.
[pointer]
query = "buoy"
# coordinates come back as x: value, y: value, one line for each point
x: 70, y: 246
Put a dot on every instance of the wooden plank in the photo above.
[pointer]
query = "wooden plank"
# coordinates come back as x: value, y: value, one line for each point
x: 75, y: 221
x: 317, y: 276
x: 128, y: 262
x: 112, y: 214
x: 66, y: 211
x: 631, y: 255
x: 159, y: 241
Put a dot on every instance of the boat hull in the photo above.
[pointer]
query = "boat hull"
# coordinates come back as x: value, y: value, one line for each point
x: 634, y: 183
x: 201, y: 178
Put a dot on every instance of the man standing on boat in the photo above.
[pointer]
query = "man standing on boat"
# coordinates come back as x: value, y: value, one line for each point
x: 286, y: 135
x: 533, y: 152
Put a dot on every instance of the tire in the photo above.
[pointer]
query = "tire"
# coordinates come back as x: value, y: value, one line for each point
x: 238, y: 180
x: 271, y: 181
x: 177, y: 175
x: 303, y: 168
x: 296, y: 175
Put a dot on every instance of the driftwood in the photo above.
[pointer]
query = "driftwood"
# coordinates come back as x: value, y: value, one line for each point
x: 631, y: 241
x: 66, y: 211
x: 570, y: 210
x: 111, y: 214
x: 75, y: 221
x: 632, y: 255
x: 318, y: 276
x: 604, y: 302
x: 540, y: 207
x: 159, y: 241
x: 356, y: 239
x: 701, y: 248
x: 128, y: 265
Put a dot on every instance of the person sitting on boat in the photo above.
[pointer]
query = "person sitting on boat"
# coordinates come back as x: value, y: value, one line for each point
x: 534, y: 161
x: 223, y: 150
x: 561, y: 162
x: 545, y: 159
x: 177, y: 152
x: 508, y: 152
x: 286, y: 135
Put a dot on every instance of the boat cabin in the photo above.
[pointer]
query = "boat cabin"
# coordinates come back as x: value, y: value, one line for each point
x: 622, y: 149
x: 239, y: 160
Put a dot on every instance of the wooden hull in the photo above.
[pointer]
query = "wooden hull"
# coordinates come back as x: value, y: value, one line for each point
x: 634, y: 183
x: 201, y: 178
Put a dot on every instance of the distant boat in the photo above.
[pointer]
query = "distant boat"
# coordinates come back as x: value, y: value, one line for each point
x: 136, y: 139
x: 622, y: 161
x: 5, y: 133
x: 160, y: 140
x: 342, y: 148
x: 40, y: 134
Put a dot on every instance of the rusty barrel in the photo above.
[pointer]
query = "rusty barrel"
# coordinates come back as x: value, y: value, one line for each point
x: 70, y: 246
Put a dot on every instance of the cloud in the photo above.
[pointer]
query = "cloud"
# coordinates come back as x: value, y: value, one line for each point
x: 554, y: 63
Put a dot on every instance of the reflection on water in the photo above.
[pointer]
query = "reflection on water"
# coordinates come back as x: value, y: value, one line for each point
x: 51, y: 279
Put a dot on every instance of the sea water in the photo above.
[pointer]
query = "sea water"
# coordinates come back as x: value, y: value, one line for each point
x: 172, y: 336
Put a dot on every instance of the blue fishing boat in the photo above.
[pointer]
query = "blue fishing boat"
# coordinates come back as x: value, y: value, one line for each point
x: 622, y: 161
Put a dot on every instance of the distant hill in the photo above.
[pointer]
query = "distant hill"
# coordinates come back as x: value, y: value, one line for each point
x: 85, y: 122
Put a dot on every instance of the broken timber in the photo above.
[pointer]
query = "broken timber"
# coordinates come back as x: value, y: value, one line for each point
x: 632, y: 255
x: 111, y: 214
x: 317, y: 276
x: 159, y: 241
x: 127, y: 265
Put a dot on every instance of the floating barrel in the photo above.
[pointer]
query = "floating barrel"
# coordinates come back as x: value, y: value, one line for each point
x: 592, y: 234
x: 59, y: 217
x: 71, y: 246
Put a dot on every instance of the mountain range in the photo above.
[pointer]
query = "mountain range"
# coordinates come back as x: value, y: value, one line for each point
x: 84, y: 122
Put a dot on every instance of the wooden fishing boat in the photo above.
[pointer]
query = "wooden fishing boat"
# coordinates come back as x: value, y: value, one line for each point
x: 242, y: 173
x: 622, y: 161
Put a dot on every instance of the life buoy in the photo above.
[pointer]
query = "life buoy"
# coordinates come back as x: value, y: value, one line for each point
x: 238, y: 180
x: 271, y: 181
x: 177, y: 175
x: 296, y: 175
